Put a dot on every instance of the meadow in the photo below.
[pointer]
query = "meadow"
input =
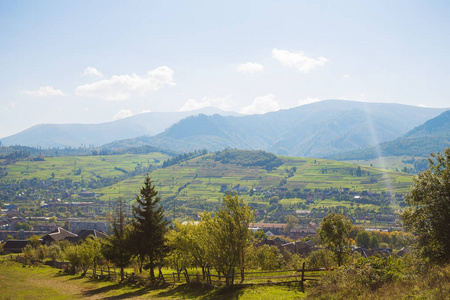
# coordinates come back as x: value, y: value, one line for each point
x: 200, y: 179
x: 44, y: 282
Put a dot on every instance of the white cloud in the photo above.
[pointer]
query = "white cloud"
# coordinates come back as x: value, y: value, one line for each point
x: 44, y: 92
x: 220, y: 102
x: 261, y: 105
x: 250, y: 68
x: 123, y: 113
x: 193, y: 104
x: 347, y: 76
x: 297, y: 60
x: 91, y: 71
x: 308, y: 100
x: 123, y: 87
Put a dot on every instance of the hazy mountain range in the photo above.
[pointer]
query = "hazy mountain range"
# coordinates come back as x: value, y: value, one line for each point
x: 320, y: 129
x: 75, y: 135
x: 315, y: 130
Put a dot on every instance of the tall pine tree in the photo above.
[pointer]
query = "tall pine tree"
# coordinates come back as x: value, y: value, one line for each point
x: 149, y: 228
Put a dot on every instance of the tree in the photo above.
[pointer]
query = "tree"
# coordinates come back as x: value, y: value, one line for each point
x: 149, y: 228
x: 363, y: 239
x: 190, y: 239
x: 115, y: 248
x: 429, y: 212
x: 334, y: 235
x: 291, y: 222
x: 67, y: 225
x: 228, y: 236
x: 179, y: 257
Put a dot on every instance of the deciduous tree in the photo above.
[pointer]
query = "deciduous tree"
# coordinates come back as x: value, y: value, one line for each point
x: 116, y: 247
x: 228, y: 236
x: 334, y: 235
x: 428, y: 216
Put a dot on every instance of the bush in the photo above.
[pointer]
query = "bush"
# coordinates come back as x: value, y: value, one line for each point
x: 321, y: 259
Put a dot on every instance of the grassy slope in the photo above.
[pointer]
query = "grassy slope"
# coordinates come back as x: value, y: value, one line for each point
x: 388, y: 162
x: 211, y: 175
x: 43, y: 282
x: 63, y: 167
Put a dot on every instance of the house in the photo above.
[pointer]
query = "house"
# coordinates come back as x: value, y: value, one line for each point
x: 77, y: 226
x: 15, y: 246
x: 56, y: 236
x: 383, y: 252
x: 298, y: 247
x: 258, y: 189
x: 84, y: 234
x: 275, y: 228
x: 302, y: 232
x: 403, y: 251
x: 46, y: 227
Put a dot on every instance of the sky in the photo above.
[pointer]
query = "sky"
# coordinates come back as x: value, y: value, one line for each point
x: 97, y: 61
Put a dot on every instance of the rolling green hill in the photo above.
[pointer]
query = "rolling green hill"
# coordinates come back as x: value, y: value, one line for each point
x: 199, y: 181
x: 263, y: 180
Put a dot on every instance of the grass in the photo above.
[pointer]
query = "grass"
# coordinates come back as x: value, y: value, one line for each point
x: 196, y: 183
x: 91, y: 166
x: 44, y: 282
x: 203, y: 178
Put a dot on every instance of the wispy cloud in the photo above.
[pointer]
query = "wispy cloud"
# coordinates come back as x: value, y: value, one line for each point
x: 193, y: 104
x: 298, y: 60
x: 220, y: 102
x: 123, y: 87
x: 250, y: 68
x: 123, y: 113
x: 261, y: 105
x: 91, y: 71
x: 44, y: 92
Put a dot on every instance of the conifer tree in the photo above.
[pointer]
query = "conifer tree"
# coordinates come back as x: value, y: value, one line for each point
x: 149, y: 228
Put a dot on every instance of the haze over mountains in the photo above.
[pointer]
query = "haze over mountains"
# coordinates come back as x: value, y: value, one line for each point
x: 315, y: 130
x: 75, y: 135
x: 432, y: 136
x: 320, y: 129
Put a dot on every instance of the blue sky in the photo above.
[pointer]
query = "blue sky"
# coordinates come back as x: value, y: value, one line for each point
x: 96, y: 61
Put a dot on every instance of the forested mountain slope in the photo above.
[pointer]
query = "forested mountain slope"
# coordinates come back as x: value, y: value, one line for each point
x: 314, y: 130
x: 432, y: 136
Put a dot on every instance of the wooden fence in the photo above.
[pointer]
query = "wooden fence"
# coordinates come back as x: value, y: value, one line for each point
x: 299, y: 276
x: 211, y: 278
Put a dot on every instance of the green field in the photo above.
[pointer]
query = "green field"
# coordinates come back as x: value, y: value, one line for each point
x: 204, y: 178
x: 196, y: 183
x: 43, y: 282
x: 91, y: 166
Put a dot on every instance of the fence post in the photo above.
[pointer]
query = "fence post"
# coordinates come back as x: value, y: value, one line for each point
x: 208, y: 276
x: 187, y: 276
x: 303, y: 278
x: 174, y: 280
x: 161, y: 276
